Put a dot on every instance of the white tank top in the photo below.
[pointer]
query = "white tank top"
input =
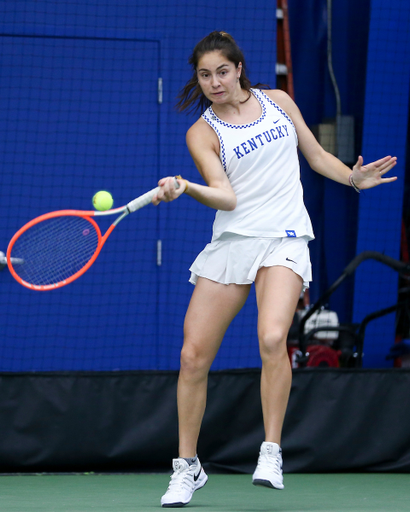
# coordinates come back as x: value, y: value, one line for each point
x: 262, y: 164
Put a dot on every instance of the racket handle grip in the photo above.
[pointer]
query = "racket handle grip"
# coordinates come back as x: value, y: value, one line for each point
x: 143, y: 200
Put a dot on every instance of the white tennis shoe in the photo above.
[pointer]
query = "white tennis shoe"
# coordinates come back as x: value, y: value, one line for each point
x: 184, y: 482
x: 268, y: 472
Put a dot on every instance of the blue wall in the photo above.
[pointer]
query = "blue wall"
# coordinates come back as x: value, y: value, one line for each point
x: 385, y: 133
x: 372, y: 70
x: 79, y: 113
x: 333, y: 207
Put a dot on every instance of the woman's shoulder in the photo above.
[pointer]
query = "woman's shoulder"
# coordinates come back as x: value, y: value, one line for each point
x: 278, y: 96
x: 201, y: 132
x: 199, y: 128
x: 284, y: 102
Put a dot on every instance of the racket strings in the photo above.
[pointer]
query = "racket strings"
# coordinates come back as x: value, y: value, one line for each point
x: 55, y: 249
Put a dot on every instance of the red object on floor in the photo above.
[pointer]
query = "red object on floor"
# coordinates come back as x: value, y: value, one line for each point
x: 319, y: 355
x: 322, y: 355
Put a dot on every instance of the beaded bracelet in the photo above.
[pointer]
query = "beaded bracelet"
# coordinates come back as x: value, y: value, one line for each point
x: 353, y: 184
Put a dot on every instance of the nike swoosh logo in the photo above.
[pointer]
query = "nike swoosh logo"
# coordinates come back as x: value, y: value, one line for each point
x: 197, y: 476
x: 277, y: 121
x: 288, y: 259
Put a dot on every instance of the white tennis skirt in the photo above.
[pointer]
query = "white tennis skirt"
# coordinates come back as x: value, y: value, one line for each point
x: 236, y: 259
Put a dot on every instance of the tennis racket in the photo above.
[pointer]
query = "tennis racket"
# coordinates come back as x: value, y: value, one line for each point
x: 56, y: 248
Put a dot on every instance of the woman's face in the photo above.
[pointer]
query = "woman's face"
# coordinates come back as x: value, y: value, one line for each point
x: 218, y: 77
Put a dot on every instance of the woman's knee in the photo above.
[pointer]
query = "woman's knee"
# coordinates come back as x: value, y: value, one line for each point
x: 272, y: 342
x: 194, y: 361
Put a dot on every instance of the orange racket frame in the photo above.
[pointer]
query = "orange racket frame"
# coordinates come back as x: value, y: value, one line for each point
x: 134, y: 205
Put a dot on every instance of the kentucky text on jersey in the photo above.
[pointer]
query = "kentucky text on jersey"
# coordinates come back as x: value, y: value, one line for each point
x: 258, y: 141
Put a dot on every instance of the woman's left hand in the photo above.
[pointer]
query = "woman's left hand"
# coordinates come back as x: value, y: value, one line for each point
x: 371, y: 175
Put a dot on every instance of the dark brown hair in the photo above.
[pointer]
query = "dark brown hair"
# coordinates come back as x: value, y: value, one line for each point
x: 191, y: 96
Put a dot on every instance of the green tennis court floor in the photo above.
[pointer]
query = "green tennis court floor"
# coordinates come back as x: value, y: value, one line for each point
x: 224, y: 493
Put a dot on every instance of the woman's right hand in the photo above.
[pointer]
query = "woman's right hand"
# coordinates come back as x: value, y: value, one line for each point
x: 168, y: 190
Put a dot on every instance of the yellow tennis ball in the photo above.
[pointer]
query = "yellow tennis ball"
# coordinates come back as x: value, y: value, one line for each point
x: 103, y: 200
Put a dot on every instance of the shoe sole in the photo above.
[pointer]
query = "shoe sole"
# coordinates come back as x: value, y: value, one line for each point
x: 266, y: 483
x: 174, y: 505
x: 180, y: 503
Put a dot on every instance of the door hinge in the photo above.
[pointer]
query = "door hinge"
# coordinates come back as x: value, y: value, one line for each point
x: 160, y: 90
x: 159, y: 253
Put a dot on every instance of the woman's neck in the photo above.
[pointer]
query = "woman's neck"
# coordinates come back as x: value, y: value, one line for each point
x: 245, y: 109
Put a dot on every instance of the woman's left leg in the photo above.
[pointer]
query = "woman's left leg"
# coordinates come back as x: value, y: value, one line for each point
x: 277, y: 292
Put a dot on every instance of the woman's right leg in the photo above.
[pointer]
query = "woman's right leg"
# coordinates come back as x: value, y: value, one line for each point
x: 212, y: 308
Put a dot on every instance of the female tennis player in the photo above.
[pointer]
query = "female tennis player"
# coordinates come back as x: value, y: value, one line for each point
x: 245, y: 148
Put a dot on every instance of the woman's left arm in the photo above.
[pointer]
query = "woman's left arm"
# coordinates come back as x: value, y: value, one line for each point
x: 363, y: 176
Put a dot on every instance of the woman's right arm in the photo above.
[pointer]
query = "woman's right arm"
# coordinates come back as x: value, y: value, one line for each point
x: 203, y: 146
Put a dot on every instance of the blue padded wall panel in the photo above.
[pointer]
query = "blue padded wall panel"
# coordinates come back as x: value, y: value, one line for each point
x: 385, y: 133
x: 72, y: 123
x: 133, y: 320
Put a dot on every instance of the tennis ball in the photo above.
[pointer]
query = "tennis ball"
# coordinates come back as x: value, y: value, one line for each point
x: 102, y: 200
